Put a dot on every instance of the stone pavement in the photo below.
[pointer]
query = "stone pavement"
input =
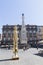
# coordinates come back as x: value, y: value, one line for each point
x: 25, y: 57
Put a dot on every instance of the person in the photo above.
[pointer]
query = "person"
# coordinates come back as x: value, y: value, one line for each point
x: 37, y: 45
x: 23, y: 48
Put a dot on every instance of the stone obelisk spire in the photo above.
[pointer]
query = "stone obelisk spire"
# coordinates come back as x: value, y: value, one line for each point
x: 22, y: 20
x: 23, y: 32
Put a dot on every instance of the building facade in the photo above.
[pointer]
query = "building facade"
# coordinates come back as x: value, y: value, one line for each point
x: 40, y: 32
x: 7, y: 34
x: 31, y: 34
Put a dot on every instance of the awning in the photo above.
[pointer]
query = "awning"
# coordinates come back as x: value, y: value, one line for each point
x: 40, y: 41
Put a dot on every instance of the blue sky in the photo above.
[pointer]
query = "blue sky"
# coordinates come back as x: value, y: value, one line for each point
x: 11, y: 10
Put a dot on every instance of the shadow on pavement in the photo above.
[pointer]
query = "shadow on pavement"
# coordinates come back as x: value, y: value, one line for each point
x: 40, y: 53
x: 9, y: 59
x: 5, y: 60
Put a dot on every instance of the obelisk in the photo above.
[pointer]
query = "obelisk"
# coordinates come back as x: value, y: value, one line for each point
x: 23, y: 32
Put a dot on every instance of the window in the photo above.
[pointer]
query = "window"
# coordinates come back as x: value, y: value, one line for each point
x: 4, y: 39
x: 30, y: 38
x: 30, y: 31
x: 8, y: 38
x: 4, y: 31
x: 34, y: 27
x: 34, y: 31
x: 9, y: 31
x: 30, y: 27
x: 9, y: 35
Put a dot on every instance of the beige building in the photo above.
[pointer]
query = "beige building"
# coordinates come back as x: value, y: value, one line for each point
x: 41, y: 32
